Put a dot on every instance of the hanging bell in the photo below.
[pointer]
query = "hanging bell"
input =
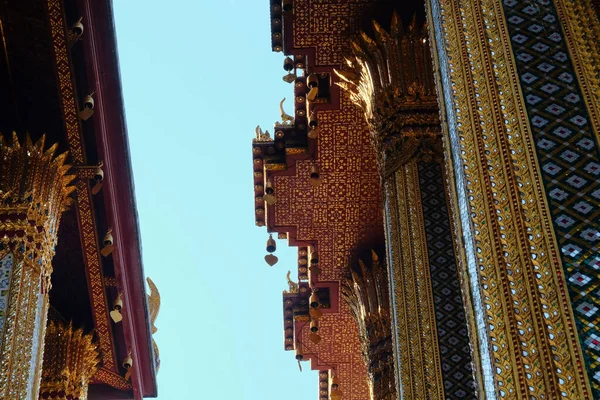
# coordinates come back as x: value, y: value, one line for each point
x: 314, y: 300
x: 269, y: 189
x: 299, y: 355
x: 77, y: 28
x: 314, y: 257
x: 128, y: 361
x: 127, y: 364
x: 313, y: 83
x: 288, y: 65
x: 315, y: 176
x: 115, y: 314
x: 314, y: 326
x: 107, y: 243
x: 271, y: 245
x: 88, y: 107
x: 98, y: 179
x: 335, y: 382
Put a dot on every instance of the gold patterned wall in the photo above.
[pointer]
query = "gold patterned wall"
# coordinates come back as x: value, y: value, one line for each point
x: 336, y: 215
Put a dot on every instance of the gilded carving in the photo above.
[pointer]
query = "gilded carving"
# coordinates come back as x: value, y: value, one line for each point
x: 399, y: 102
x: 34, y: 191
x: 366, y: 292
x: 70, y: 359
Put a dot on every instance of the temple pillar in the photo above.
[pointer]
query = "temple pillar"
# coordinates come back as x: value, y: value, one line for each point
x: 366, y: 292
x: 33, y: 194
x: 70, y: 359
x: 520, y: 94
x: 390, y: 77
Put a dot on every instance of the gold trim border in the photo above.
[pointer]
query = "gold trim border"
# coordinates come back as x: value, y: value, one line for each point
x: 418, y: 367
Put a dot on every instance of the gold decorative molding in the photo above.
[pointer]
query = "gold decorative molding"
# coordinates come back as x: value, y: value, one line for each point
x: 391, y: 79
x: 34, y: 191
x: 366, y: 292
x: 70, y: 359
x: 416, y: 349
x: 527, y: 317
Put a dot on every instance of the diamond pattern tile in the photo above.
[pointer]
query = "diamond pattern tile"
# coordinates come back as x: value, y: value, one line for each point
x: 5, y: 274
x: 569, y: 156
x: 453, y: 337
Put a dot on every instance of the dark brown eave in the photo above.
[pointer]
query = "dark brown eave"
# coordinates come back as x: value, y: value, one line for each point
x: 113, y: 147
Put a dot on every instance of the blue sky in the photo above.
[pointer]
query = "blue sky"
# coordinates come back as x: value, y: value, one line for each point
x: 198, y: 76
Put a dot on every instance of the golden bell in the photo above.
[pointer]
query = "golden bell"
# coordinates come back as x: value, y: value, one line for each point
x: 269, y: 189
x: 314, y: 257
x: 271, y: 245
x: 98, y: 178
x: 314, y: 300
x: 288, y: 5
x: 271, y: 259
x: 315, y: 176
x: 118, y: 304
x: 108, y: 238
x: 335, y: 382
x: 312, y: 120
x: 77, y: 28
x: 314, y: 326
x: 115, y: 314
x: 128, y: 362
x: 88, y: 107
x: 288, y: 64
x: 312, y: 81
x: 299, y: 355
x: 107, y: 243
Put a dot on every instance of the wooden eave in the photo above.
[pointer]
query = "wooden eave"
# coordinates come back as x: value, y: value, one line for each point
x: 102, y: 68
